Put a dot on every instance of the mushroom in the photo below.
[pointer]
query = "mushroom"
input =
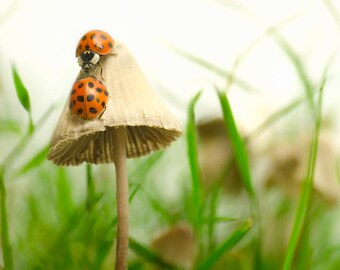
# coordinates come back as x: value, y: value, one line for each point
x: 176, y: 245
x: 134, y: 123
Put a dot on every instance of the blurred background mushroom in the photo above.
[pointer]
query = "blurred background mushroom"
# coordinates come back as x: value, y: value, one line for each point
x: 176, y: 245
x: 216, y: 157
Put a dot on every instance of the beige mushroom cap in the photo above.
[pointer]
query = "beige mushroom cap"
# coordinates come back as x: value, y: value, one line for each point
x: 149, y: 126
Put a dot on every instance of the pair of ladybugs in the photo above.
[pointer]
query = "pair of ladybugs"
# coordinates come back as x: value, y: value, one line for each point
x: 88, y: 97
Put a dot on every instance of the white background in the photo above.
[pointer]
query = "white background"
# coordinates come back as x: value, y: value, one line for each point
x: 40, y: 36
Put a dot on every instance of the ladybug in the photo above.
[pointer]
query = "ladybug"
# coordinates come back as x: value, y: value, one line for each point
x: 88, y: 98
x: 91, y: 46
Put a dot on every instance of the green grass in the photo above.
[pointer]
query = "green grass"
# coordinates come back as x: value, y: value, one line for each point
x: 63, y: 218
x: 228, y: 244
x: 5, y: 242
x: 306, y: 192
x: 194, y: 163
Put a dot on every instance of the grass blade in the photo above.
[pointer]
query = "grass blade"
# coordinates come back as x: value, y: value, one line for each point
x: 242, y: 162
x: 333, y: 11
x: 217, y: 219
x: 23, y: 96
x: 305, y: 195
x: 300, y: 70
x: 90, y: 187
x: 25, y: 139
x: 237, y: 143
x: 9, y: 126
x: 64, y: 193
x: 217, y: 70
x: 35, y: 161
x: 21, y: 91
x: 276, y: 116
x: 147, y: 254
x: 5, y: 244
x: 227, y: 245
x: 191, y: 138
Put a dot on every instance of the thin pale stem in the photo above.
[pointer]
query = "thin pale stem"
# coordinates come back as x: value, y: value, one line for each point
x: 122, y: 191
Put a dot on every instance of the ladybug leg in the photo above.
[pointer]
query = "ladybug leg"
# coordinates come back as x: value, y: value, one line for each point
x: 101, y: 71
x: 102, y: 113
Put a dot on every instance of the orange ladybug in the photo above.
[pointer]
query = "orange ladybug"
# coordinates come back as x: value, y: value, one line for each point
x: 88, y: 98
x: 91, y: 46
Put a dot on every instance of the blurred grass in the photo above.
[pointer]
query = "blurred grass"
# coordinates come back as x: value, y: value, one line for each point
x: 237, y: 144
x: 228, y: 244
x: 194, y: 164
x: 306, y: 192
x: 300, y: 70
x: 6, y: 246
x: 228, y: 76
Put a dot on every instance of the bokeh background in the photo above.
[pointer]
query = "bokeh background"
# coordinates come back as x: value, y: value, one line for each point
x: 268, y: 56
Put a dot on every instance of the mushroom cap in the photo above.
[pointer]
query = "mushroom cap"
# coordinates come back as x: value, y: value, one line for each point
x: 132, y: 103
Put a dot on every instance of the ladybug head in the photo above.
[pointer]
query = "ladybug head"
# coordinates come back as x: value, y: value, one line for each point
x: 88, y: 59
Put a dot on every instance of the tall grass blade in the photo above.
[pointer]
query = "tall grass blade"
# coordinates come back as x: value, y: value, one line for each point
x: 300, y: 69
x: 215, y: 69
x: 333, y: 11
x: 237, y: 143
x: 90, y: 187
x: 64, y: 193
x: 147, y: 164
x: 191, y: 138
x: 305, y: 195
x: 227, y: 245
x: 5, y: 243
x: 276, y: 116
x: 242, y: 162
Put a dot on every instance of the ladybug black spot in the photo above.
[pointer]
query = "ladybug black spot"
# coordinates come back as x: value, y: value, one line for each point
x: 79, y: 111
x: 93, y: 36
x: 103, y: 104
x: 106, y: 93
x: 74, y: 102
x: 87, y: 47
x: 93, y: 110
x: 91, y: 84
x: 80, y: 85
x: 110, y: 45
x: 90, y: 97
x: 80, y: 98
x: 103, y: 37
x: 99, y: 90
x: 73, y: 92
x: 84, y: 37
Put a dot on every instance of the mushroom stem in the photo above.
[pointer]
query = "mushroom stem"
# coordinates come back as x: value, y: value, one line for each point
x: 122, y: 195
